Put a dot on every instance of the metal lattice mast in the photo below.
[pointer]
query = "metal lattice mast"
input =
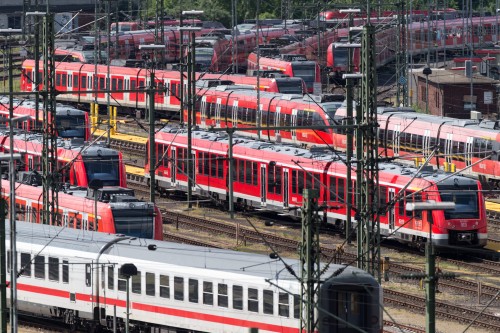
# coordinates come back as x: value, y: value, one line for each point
x: 309, y: 262
x: 49, y: 150
x: 367, y: 151
x: 401, y: 58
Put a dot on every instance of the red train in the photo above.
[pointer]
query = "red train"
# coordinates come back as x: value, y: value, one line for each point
x: 448, y: 35
x: 272, y: 177
x: 70, y: 122
x: 294, y: 65
x: 118, y: 211
x: 215, y: 52
x: 78, y: 163
x: 74, y: 83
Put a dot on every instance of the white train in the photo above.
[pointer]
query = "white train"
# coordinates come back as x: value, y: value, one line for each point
x: 76, y: 277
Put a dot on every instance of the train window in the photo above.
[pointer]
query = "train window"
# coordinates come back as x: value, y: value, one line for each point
x: 120, y: 84
x: 294, y: 181
x: 222, y: 298
x: 75, y: 81
x: 206, y: 164
x: 201, y: 162
x: 25, y: 264
x: 102, y: 83
x: 309, y: 180
x: 383, y: 201
x: 111, y: 277
x: 283, y: 306
x: 249, y: 172
x: 64, y: 80
x: 150, y: 284
x: 213, y: 165
x: 401, y: 206
x: 253, y: 300
x: 164, y: 286
x: 178, y: 288
x: 208, y: 293
x: 417, y: 198
x: 220, y: 167
x: 274, y: 179
x: 300, y: 183
x: 238, y: 297
x: 122, y: 282
x: 136, y: 283
x: 65, y: 271
x: 193, y: 290
x: 54, y: 269
x: 268, y: 302
x: 113, y: 84
x: 40, y: 267
x: 296, y: 306
x: 8, y: 261
x: 341, y: 189
x: 241, y: 171
x: 88, y: 275
x: 58, y: 79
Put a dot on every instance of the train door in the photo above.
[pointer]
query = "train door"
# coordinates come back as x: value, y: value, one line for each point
x: 234, y: 114
x: 203, y: 111
x: 448, y: 148
x: 426, y: 143
x: 263, y: 183
x: 285, y: 187
x: 218, y: 106
x: 396, y: 140
x: 173, y: 165
x: 468, y: 151
x: 294, y: 124
x: 392, y: 217
x: 277, y: 133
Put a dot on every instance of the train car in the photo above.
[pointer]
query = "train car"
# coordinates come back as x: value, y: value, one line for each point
x: 237, y: 106
x: 75, y: 80
x: 118, y: 210
x: 66, y: 275
x: 450, y: 35
x: 77, y: 162
x: 215, y: 52
x: 294, y: 65
x: 70, y: 122
x: 270, y: 176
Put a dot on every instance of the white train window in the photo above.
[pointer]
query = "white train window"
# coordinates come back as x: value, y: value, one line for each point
x: 253, y: 300
x: 150, y: 284
x: 65, y: 271
x: 40, y: 267
x: 122, y: 282
x: 25, y: 264
x: 222, y: 299
x: 178, y: 288
x: 238, y: 297
x: 164, y: 286
x: 136, y: 283
x: 208, y: 293
x: 54, y: 269
x: 283, y: 306
x: 193, y: 290
x: 296, y: 306
x: 111, y: 277
x: 268, y: 302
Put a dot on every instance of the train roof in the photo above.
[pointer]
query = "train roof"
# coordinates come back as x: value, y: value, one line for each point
x: 61, y: 109
x: 137, y: 249
x: 291, y: 154
x: 77, y: 145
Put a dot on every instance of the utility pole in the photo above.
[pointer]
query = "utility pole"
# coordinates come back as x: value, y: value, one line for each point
x: 49, y: 151
x: 401, y: 58
x: 310, y: 262
x: 367, y: 155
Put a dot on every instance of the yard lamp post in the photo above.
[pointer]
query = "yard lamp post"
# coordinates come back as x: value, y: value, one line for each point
x: 427, y: 71
x: 151, y: 117
x: 128, y: 270
x: 430, y: 271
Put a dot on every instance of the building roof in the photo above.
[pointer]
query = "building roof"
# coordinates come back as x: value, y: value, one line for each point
x: 444, y: 76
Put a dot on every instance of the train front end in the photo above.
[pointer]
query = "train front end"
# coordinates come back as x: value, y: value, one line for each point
x: 466, y: 225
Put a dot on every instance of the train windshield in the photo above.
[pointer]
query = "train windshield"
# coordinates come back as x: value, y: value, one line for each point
x: 204, y: 57
x: 465, y: 199
x: 340, y: 58
x: 289, y: 86
x: 136, y: 221
x: 305, y: 71
x: 330, y: 110
x: 72, y: 126
x: 106, y: 168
